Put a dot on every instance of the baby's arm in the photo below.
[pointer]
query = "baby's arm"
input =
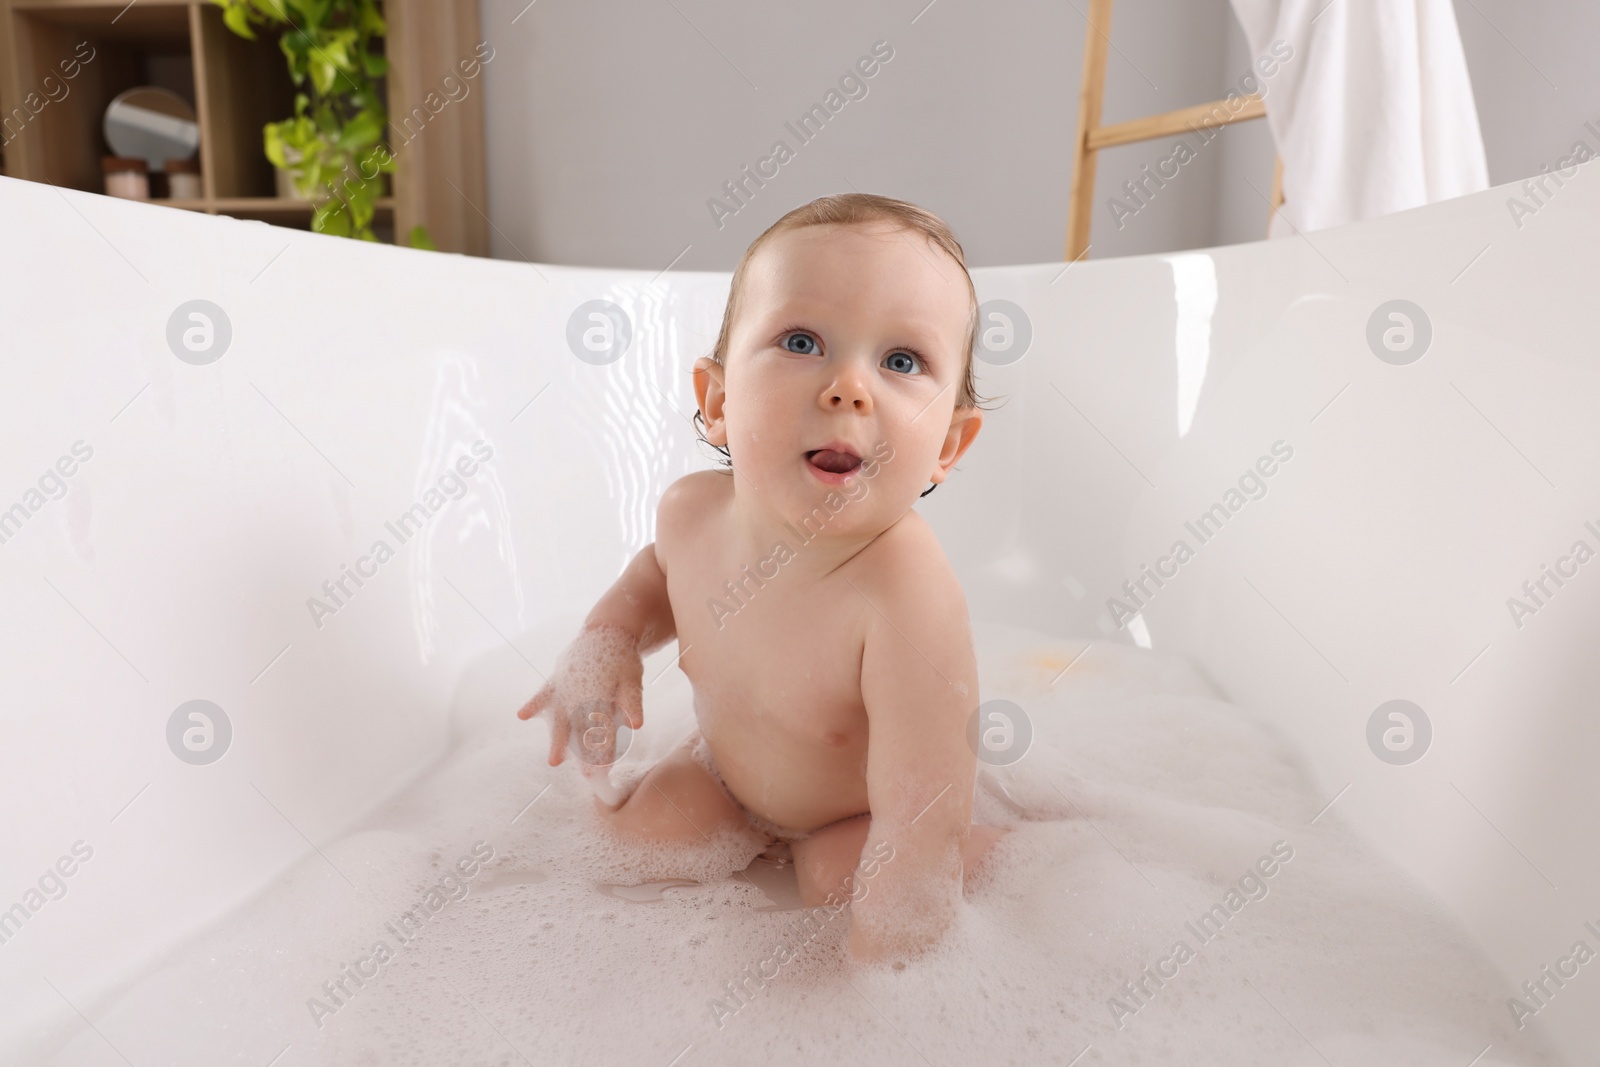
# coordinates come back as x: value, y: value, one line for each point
x: 598, y: 681
x: 637, y: 602
x: 919, y: 681
x: 597, y: 684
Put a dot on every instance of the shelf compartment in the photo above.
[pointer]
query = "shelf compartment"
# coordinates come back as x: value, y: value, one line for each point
x: 237, y: 86
x: 146, y: 44
x: 247, y: 85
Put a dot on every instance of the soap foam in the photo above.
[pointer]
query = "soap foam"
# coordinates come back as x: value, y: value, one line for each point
x: 1143, y: 800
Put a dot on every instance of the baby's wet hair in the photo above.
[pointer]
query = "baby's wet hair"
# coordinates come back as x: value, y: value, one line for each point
x: 854, y: 209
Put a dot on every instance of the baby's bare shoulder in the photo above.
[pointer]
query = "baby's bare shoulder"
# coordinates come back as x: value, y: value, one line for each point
x: 910, y: 571
x: 685, y: 507
x: 918, y: 661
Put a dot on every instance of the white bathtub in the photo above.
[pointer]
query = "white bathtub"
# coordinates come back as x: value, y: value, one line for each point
x: 209, y: 501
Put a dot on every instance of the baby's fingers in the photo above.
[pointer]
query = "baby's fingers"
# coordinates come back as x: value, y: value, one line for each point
x: 629, y: 698
x: 596, y: 737
x: 538, y: 703
x: 559, y: 731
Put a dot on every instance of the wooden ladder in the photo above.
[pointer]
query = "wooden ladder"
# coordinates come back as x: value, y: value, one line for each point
x: 1092, y: 136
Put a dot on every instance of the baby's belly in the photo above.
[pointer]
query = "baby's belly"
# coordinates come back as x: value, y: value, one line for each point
x: 802, y: 782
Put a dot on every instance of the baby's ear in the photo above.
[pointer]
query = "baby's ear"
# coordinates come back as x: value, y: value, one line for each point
x: 964, y: 425
x: 710, y: 395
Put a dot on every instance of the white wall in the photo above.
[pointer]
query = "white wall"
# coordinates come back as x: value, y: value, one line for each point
x: 611, y: 124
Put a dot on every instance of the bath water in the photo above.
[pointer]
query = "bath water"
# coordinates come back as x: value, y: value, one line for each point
x: 1164, y: 898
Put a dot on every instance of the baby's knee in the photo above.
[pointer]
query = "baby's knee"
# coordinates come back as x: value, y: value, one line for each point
x: 636, y: 815
x: 825, y: 860
x: 980, y: 841
x: 673, y: 802
x: 631, y: 814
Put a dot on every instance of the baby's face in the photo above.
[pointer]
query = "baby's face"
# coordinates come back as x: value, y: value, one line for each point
x: 852, y: 337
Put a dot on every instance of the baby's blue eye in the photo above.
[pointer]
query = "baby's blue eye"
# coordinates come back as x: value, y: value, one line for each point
x: 803, y: 337
x: 908, y: 362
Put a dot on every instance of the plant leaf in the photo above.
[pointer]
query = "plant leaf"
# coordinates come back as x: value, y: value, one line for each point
x: 237, y: 18
x: 272, y: 144
x: 330, y: 218
x: 361, y: 131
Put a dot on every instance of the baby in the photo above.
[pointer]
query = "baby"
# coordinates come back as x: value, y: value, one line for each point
x: 821, y: 627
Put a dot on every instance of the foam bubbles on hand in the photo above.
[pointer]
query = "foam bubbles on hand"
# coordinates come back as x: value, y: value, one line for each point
x: 591, y: 697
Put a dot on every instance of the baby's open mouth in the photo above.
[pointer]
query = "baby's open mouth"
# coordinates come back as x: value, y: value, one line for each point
x: 833, y: 462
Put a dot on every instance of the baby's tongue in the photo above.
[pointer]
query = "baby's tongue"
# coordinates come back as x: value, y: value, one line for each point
x: 835, y: 462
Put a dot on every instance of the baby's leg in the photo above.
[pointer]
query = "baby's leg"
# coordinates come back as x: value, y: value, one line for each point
x: 676, y: 800
x: 824, y: 860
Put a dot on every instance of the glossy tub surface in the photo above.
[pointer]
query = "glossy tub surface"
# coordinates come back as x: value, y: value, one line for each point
x: 181, y: 510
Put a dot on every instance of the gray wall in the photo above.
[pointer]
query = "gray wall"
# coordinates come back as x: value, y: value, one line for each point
x: 1535, y: 77
x: 611, y: 124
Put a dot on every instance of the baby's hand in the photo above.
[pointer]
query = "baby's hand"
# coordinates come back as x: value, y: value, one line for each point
x: 596, y: 687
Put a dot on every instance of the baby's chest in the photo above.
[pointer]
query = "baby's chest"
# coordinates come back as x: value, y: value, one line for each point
x: 792, y: 661
x: 808, y: 690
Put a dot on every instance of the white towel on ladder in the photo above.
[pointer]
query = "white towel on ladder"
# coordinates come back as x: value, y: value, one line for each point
x: 1373, y: 113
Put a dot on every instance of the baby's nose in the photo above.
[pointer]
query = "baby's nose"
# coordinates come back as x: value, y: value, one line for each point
x: 848, y: 390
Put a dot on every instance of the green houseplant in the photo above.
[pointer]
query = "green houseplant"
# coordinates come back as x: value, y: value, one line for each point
x: 333, y: 147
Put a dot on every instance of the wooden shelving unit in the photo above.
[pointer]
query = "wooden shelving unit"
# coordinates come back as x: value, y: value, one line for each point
x: 50, y: 124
